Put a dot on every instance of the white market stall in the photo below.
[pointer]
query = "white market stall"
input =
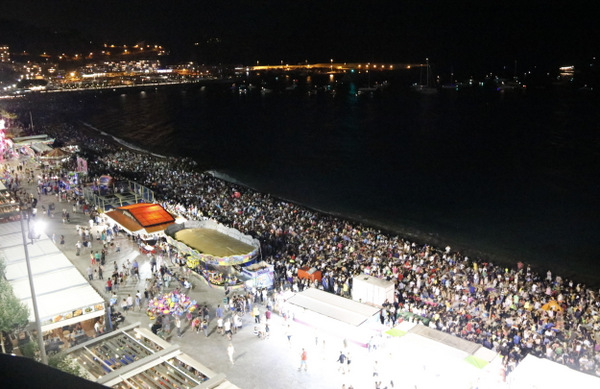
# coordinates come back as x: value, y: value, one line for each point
x: 372, y: 290
x: 333, y: 314
x: 64, y: 296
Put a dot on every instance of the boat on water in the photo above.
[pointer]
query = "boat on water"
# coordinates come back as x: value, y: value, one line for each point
x: 370, y: 89
x: 452, y: 85
x: 427, y: 88
x: 373, y: 89
x: 366, y: 90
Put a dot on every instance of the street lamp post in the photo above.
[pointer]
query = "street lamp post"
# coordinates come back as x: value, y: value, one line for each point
x: 38, y: 326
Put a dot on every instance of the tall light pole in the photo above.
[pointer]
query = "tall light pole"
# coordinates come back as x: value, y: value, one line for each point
x: 38, y: 325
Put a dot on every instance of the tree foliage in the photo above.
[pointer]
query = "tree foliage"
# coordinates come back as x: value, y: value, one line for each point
x: 13, y: 313
x: 60, y: 361
x: 66, y: 364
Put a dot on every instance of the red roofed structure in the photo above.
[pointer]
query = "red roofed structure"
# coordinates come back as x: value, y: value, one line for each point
x: 142, y: 218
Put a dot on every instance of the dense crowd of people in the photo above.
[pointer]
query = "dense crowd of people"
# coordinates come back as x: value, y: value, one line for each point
x: 512, y: 310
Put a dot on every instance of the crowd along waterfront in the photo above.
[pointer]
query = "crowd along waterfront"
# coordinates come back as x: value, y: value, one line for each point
x: 505, y: 176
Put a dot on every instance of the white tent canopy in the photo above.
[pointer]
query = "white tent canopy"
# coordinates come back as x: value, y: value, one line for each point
x: 533, y: 372
x: 64, y: 295
x: 333, y: 306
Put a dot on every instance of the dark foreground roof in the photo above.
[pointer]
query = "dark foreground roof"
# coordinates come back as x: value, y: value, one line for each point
x: 20, y: 372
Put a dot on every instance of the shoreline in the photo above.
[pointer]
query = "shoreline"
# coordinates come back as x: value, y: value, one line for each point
x: 118, y: 141
x: 421, y: 237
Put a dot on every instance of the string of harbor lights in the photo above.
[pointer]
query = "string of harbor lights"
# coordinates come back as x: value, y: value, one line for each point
x: 334, y: 66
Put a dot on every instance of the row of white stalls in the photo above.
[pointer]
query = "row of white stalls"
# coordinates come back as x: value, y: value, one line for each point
x: 65, y: 299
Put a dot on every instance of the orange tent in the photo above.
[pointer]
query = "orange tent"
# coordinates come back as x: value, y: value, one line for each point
x: 552, y: 305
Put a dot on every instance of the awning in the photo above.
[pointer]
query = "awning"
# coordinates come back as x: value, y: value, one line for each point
x: 64, y: 296
x: 124, y: 222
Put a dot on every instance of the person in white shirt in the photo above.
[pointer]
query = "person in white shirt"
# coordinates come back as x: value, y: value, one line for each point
x: 220, y: 325
x: 98, y: 328
x: 227, y: 327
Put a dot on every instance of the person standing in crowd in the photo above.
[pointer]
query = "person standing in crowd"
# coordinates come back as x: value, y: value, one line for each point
x: 220, y: 325
x: 303, y: 358
x: 98, y: 328
x: 124, y: 306
x: 196, y: 325
x: 230, y: 351
x: 256, y: 314
x: 348, y: 361
x: 178, y: 325
x: 138, y: 301
x: 204, y: 325
x: 227, y: 328
x: 129, y: 302
x: 135, y: 268
x: 342, y: 361
x: 237, y: 323
x: 166, y: 325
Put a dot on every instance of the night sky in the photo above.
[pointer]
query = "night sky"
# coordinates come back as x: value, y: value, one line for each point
x: 462, y: 34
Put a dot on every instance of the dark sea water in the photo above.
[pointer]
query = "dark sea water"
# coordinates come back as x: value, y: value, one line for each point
x: 504, y: 176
